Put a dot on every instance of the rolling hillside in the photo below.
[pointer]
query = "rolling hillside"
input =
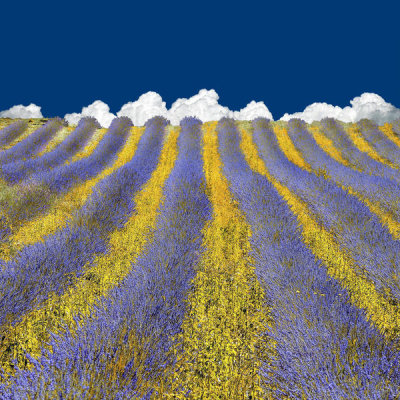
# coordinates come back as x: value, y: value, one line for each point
x: 218, y: 260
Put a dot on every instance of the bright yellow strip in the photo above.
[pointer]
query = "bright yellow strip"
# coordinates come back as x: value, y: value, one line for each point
x: 32, y: 127
x: 91, y: 146
x: 327, y: 145
x: 85, y: 152
x: 290, y: 151
x: 387, y: 218
x: 222, y: 351
x: 58, y: 214
x: 354, y: 133
x: 288, y: 147
x: 60, y: 136
x: 340, y: 265
x: 387, y: 130
x: 5, y: 122
x: 107, y: 270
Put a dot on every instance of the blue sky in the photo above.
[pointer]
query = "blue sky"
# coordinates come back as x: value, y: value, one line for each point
x: 63, y: 56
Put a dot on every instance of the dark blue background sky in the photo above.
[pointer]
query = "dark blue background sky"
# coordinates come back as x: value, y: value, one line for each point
x: 63, y: 56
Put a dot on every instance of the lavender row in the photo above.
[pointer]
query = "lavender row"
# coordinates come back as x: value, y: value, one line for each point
x: 40, y: 190
x: 53, y: 265
x: 354, y: 225
x: 324, y: 345
x: 375, y: 188
x: 378, y: 140
x: 150, y: 301
x: 18, y: 170
x: 11, y: 132
x: 333, y: 130
x: 33, y: 143
x: 396, y: 126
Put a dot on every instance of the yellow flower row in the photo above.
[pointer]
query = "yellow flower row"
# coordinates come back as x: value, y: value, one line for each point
x: 226, y: 314
x: 387, y: 130
x: 30, y: 129
x: 61, y: 210
x: 59, y: 137
x: 354, y: 132
x: 106, y: 271
x: 387, y: 218
x: 384, y: 314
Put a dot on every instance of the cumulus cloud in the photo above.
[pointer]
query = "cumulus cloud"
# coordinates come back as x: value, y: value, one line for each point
x: 98, y: 109
x: 368, y: 105
x: 204, y: 105
x: 147, y: 106
x: 20, y: 111
x: 253, y: 110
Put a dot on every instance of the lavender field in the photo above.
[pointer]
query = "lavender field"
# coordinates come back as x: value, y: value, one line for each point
x: 209, y: 260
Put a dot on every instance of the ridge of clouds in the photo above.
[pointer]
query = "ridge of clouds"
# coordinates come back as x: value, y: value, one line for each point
x: 204, y: 105
x: 20, y: 111
x: 368, y: 105
x: 98, y: 109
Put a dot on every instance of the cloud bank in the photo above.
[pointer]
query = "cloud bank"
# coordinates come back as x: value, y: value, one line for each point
x: 368, y: 105
x: 98, y: 109
x: 205, y: 106
x: 20, y: 111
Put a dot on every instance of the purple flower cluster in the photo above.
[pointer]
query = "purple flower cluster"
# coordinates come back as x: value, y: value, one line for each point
x: 18, y: 170
x: 43, y: 187
x: 378, y: 140
x: 11, y: 132
x: 150, y: 301
x: 354, y: 225
x: 53, y: 265
x: 396, y: 126
x: 333, y: 130
x: 33, y: 143
x: 62, y: 178
x: 325, y: 348
x: 377, y: 189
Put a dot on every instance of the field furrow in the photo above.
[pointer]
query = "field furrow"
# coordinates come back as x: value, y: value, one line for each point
x: 59, y: 212
x: 41, y: 190
x: 357, y: 230
x: 357, y: 159
x: 230, y: 260
x: 11, y: 131
x: 32, y: 144
x: 314, y: 321
x: 380, y: 195
x: 19, y: 170
x: 385, y: 147
x: 357, y: 138
x: 21, y: 135
x: 80, y: 302
x: 221, y: 341
x: 61, y: 257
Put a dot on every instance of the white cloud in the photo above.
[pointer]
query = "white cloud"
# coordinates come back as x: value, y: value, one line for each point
x: 148, y: 105
x: 204, y: 105
x: 98, y: 109
x: 20, y: 111
x: 253, y: 110
x: 368, y: 105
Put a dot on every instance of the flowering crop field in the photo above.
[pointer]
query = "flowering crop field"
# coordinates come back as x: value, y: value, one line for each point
x: 217, y: 260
